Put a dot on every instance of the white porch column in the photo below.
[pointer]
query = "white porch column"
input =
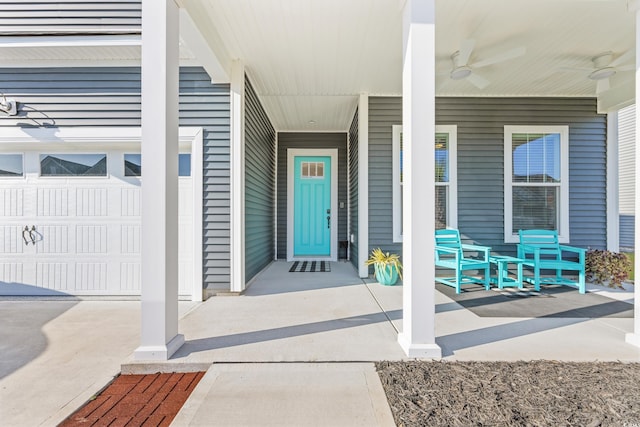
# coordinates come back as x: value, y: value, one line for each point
x: 613, y: 187
x: 418, y: 126
x: 634, y: 337
x: 237, y: 177
x: 363, y: 185
x: 159, y: 337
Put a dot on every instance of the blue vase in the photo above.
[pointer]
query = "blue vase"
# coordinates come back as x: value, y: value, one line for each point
x: 386, y: 274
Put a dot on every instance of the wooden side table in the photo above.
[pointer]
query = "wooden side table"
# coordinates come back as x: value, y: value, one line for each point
x: 502, y: 278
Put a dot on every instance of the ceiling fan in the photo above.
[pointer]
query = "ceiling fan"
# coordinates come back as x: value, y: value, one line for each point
x: 463, y: 69
x: 605, y: 66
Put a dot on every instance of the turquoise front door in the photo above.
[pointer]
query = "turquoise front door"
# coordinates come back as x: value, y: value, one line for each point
x: 312, y: 206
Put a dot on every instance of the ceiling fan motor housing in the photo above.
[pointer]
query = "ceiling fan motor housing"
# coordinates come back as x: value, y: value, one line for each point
x: 602, y: 65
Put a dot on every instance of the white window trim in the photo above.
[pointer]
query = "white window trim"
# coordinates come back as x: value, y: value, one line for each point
x: 396, y: 131
x: 563, y: 229
x: 452, y: 194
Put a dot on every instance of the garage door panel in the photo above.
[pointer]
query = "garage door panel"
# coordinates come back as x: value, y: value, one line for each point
x: 53, y: 202
x: 91, y: 239
x: 53, y: 239
x: 91, y: 276
x: 53, y: 275
x: 130, y: 239
x: 11, y: 272
x: 130, y: 202
x: 185, y: 242
x: 91, y: 202
x: 130, y: 276
x: 11, y: 202
x: 185, y: 197
x: 11, y: 239
x: 185, y: 277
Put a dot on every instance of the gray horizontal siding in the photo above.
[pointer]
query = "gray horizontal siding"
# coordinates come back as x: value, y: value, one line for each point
x: 310, y: 140
x: 70, y: 16
x: 111, y: 97
x: 260, y: 172
x: 627, y: 232
x: 384, y: 112
x: 353, y: 189
x: 481, y: 124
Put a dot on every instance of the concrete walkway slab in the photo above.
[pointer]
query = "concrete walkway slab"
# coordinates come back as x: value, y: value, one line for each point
x: 289, y: 394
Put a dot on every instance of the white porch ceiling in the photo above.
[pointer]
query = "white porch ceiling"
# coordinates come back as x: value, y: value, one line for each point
x: 310, y: 59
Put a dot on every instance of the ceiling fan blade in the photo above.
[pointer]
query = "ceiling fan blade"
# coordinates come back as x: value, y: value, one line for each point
x: 466, y: 48
x: 478, y: 81
x: 575, y: 69
x: 622, y: 59
x: 602, y: 86
x: 504, y: 56
x: 630, y: 67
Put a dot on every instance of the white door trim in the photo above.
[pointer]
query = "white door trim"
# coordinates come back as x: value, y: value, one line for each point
x: 333, y: 153
x: 109, y: 137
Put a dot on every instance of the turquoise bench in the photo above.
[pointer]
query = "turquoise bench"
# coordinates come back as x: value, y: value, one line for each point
x: 450, y: 254
x: 541, y: 250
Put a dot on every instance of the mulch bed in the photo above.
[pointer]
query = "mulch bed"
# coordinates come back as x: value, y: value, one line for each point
x: 137, y: 400
x: 537, y: 393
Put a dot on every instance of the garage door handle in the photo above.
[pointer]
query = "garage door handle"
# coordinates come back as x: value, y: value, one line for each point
x: 30, y: 234
x: 25, y: 234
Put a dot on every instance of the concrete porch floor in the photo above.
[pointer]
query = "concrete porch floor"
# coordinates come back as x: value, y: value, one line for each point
x: 61, y: 352
x: 338, y: 317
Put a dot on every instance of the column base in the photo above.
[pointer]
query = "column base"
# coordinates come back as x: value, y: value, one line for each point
x: 159, y: 352
x: 633, y: 339
x: 421, y: 351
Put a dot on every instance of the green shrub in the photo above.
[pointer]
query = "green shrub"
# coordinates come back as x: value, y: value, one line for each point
x: 607, y: 268
x: 631, y: 257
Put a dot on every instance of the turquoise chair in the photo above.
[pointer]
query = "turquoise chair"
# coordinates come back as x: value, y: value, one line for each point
x: 450, y: 254
x: 542, y: 250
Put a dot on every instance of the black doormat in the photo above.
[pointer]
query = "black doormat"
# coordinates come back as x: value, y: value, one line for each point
x: 310, y: 267
x: 551, y: 301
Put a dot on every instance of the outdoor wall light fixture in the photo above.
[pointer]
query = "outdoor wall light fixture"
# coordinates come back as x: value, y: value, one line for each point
x: 8, y: 106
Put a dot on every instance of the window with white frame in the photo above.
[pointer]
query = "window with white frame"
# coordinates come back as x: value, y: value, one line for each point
x: 133, y: 164
x: 536, y: 180
x: 73, y: 164
x: 11, y: 165
x: 446, y: 192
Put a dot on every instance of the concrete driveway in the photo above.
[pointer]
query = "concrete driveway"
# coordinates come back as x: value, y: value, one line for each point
x: 57, y: 353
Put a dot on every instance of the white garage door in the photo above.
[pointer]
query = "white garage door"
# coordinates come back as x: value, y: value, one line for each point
x: 70, y: 221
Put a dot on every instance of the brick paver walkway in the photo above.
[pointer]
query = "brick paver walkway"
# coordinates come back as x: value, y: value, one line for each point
x: 137, y: 400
